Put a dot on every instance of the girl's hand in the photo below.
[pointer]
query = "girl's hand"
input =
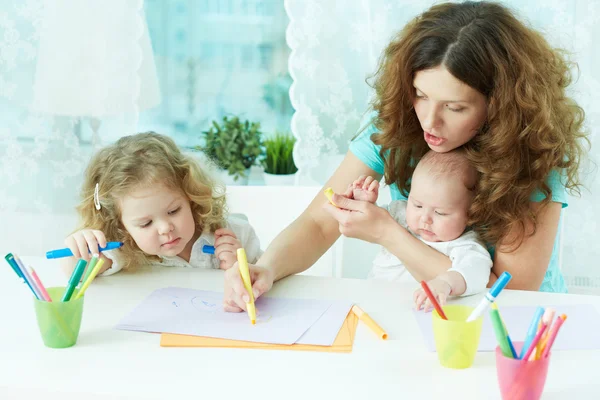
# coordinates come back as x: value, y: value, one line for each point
x: 236, y: 297
x: 360, y: 219
x: 226, y: 245
x: 365, y: 188
x: 85, y: 239
x: 440, y: 288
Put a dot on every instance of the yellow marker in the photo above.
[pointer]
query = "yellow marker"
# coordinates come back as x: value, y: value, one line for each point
x: 245, y: 273
x: 90, y: 278
x: 364, y: 317
x: 329, y: 193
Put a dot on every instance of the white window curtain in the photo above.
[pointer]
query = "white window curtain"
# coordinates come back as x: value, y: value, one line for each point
x: 335, y: 47
x: 70, y: 73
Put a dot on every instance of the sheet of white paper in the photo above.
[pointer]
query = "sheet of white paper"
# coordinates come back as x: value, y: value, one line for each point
x: 579, y: 332
x: 200, y: 313
x: 326, y: 329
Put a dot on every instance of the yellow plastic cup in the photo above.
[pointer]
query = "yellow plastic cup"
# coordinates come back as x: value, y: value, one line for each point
x: 456, y: 340
x: 58, y: 321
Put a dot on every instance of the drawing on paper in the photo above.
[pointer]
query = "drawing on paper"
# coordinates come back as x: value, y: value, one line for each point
x: 203, y: 305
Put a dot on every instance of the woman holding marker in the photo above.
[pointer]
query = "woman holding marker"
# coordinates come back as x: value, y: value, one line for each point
x: 461, y: 74
x: 161, y: 207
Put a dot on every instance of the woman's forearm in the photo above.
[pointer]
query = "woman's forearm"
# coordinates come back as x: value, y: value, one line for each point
x: 297, y: 247
x: 422, y: 261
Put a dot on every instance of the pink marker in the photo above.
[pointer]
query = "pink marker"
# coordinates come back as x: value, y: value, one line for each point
x: 552, y: 335
x: 534, y: 343
x: 39, y: 285
x: 547, y: 318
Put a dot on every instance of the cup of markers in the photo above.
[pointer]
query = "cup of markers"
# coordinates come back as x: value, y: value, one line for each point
x: 522, y: 367
x: 457, y: 328
x: 59, y: 321
x: 456, y: 340
x: 58, y: 310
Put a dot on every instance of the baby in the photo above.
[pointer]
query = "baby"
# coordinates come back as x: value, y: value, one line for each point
x: 143, y: 191
x: 436, y: 212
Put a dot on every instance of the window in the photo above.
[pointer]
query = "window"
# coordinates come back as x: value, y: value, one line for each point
x: 217, y: 58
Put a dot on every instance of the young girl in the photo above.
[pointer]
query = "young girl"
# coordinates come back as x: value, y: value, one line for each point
x: 144, y: 192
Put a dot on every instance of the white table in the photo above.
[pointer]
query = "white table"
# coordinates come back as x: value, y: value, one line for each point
x: 108, y: 363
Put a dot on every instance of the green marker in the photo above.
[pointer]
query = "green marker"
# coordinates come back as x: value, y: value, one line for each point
x: 74, y: 280
x: 499, y: 331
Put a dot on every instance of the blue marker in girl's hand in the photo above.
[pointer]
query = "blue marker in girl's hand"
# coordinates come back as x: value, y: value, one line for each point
x: 66, y: 252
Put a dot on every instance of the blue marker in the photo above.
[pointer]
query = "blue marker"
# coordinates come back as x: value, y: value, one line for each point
x: 208, y: 249
x: 531, y: 332
x: 490, y: 296
x: 10, y: 259
x: 74, y: 280
x: 67, y: 252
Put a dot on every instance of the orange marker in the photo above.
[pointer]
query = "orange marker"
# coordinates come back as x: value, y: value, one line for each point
x: 364, y: 317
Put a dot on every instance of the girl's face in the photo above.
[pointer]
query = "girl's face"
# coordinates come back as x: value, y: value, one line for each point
x: 450, y: 111
x: 159, y: 220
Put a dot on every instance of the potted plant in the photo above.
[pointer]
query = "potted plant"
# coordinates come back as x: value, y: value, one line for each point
x: 278, y: 160
x: 234, y: 146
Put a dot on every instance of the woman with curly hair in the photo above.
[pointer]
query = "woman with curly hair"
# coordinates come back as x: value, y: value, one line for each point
x: 144, y: 192
x: 471, y: 75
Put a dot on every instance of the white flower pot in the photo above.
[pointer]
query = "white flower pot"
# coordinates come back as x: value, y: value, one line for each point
x: 280, y: 180
x: 227, y: 179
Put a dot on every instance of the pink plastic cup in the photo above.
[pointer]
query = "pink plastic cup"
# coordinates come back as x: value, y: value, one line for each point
x: 518, y: 380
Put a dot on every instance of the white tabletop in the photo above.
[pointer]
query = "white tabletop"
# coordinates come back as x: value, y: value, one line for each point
x: 108, y: 363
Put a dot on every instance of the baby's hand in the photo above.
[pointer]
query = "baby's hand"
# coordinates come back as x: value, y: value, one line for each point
x: 226, y: 245
x: 85, y: 239
x: 365, y: 188
x: 440, y: 289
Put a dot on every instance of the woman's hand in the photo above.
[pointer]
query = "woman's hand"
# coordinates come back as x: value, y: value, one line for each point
x: 226, y: 245
x: 360, y: 219
x: 236, y: 296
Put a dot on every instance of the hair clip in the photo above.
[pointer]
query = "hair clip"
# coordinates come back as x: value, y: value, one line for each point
x: 97, y: 198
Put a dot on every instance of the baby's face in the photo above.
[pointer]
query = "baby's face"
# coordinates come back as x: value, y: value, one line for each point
x: 437, y: 208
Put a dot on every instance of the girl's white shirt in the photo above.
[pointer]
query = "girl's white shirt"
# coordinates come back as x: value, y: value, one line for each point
x: 198, y: 259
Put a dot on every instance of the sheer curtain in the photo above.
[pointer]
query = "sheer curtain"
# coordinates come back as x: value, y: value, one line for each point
x: 70, y: 73
x: 335, y: 46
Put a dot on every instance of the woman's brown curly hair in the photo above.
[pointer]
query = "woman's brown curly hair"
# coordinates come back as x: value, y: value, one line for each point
x: 145, y: 159
x: 532, y: 127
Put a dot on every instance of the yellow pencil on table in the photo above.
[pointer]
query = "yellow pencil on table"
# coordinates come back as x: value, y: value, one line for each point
x: 90, y: 278
x: 245, y: 273
x: 364, y: 317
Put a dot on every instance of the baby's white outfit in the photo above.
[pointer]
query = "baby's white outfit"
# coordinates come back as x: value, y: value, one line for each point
x: 468, y: 254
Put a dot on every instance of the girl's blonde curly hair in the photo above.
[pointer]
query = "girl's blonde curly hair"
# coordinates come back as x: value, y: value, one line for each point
x: 532, y: 127
x: 145, y: 159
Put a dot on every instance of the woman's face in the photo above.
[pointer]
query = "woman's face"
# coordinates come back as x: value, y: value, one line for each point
x: 450, y: 111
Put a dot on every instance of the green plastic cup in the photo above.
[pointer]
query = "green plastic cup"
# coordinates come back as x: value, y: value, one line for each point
x: 58, y: 321
x: 456, y: 340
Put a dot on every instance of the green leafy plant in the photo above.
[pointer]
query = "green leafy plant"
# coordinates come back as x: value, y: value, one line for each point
x: 279, y: 159
x: 233, y: 145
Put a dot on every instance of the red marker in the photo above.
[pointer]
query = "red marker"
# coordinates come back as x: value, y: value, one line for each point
x: 433, y: 301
